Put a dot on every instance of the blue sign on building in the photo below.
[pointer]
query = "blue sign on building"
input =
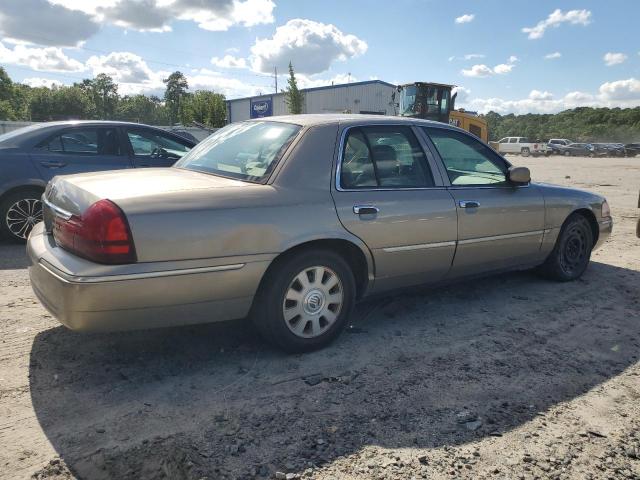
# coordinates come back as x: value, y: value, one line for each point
x: 261, y: 108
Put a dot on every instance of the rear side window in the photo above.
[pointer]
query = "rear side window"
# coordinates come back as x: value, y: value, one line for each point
x: 383, y: 156
x: 468, y: 161
x: 148, y: 142
x: 84, y: 141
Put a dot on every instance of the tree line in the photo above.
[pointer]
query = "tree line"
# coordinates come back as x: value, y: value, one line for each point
x: 98, y: 99
x: 584, y: 124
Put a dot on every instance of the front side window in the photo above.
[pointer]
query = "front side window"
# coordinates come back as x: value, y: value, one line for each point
x: 383, y: 156
x: 84, y: 141
x: 513, y: 140
x: 156, y: 145
x: 246, y: 151
x: 467, y: 160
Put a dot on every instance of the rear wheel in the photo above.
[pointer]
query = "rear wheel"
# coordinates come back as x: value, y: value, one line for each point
x: 305, y: 301
x: 19, y: 212
x: 570, y: 255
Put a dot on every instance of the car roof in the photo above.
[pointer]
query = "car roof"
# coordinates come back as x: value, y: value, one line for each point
x: 307, y: 120
x: 32, y: 134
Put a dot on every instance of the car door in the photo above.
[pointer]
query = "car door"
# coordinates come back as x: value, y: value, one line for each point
x: 154, y: 148
x: 500, y: 224
x: 390, y: 195
x: 79, y: 149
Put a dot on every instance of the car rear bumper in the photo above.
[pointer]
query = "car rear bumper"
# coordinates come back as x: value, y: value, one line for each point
x: 154, y: 296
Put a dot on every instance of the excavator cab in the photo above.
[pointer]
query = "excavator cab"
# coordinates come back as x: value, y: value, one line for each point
x: 429, y: 101
x: 434, y: 101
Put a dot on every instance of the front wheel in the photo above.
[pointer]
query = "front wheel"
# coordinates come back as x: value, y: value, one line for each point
x: 305, y: 301
x: 19, y: 213
x: 570, y: 256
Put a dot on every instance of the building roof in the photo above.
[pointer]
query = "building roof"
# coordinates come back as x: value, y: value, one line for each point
x: 324, y: 87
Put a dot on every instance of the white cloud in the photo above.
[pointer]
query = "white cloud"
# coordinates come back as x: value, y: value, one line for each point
x: 310, y: 46
x: 478, y: 71
x: 41, y: 82
x: 557, y: 18
x: 503, y: 68
x: 466, y: 18
x: 481, y: 70
x: 50, y: 59
x: 619, y: 93
x: 471, y: 56
x: 229, y: 61
x: 625, y: 90
x: 553, y: 56
x: 230, y: 87
x: 123, y: 67
x: 40, y: 22
x: 76, y: 20
x: 611, y: 58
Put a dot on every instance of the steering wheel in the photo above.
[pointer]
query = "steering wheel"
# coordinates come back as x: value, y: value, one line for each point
x: 156, y: 152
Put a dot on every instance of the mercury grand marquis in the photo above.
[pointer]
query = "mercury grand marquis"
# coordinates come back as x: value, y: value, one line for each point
x: 290, y: 221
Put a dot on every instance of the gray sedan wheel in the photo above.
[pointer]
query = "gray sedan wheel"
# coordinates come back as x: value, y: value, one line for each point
x: 305, y: 300
x: 20, y: 212
x: 571, y: 254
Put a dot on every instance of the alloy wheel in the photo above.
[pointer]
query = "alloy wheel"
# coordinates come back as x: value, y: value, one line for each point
x: 313, y: 301
x: 22, y: 216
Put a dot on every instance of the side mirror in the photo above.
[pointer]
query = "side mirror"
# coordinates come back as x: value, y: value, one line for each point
x: 519, y: 175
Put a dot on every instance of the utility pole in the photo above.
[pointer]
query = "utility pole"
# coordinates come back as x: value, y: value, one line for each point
x: 275, y: 75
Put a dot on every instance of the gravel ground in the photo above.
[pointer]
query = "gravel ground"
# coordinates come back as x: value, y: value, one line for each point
x: 508, y: 377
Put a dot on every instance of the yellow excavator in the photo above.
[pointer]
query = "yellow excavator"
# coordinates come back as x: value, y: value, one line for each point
x: 434, y: 101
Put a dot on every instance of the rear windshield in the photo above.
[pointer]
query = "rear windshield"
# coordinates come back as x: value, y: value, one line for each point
x: 246, y: 151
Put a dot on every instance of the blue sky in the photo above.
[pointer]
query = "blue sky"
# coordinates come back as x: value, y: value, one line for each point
x: 516, y: 56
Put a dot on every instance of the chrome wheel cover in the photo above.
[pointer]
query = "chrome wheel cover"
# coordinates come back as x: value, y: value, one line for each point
x: 22, y: 216
x: 312, y: 302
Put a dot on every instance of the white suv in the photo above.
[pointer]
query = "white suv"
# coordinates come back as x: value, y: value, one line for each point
x: 521, y: 146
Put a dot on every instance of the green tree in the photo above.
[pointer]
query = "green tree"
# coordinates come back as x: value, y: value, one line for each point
x: 204, y: 107
x: 292, y: 95
x: 71, y: 103
x: 176, y: 89
x: 141, y: 109
x: 6, y: 94
x: 105, y: 95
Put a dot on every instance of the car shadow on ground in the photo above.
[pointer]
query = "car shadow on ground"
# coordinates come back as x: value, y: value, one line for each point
x: 12, y: 255
x: 425, y: 369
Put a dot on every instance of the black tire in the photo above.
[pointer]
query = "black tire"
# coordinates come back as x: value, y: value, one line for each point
x: 28, y: 201
x: 268, y: 309
x: 567, y: 153
x: 571, y: 254
x: 525, y: 152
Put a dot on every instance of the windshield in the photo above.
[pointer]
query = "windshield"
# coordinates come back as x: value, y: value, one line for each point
x: 246, y: 151
x: 425, y: 101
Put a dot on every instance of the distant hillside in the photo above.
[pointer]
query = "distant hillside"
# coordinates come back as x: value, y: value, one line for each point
x: 583, y: 124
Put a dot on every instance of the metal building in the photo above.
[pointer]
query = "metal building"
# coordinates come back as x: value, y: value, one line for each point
x: 370, y: 97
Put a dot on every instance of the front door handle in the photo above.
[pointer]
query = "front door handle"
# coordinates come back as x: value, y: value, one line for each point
x: 53, y: 164
x: 365, y: 209
x: 468, y: 204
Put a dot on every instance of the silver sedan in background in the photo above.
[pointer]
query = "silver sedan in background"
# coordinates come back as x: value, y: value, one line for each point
x: 291, y: 220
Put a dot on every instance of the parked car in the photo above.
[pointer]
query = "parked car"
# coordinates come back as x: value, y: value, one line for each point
x: 521, y: 146
x: 632, y: 149
x: 31, y: 156
x: 612, y: 149
x: 576, y: 150
x: 553, y: 142
x: 291, y: 220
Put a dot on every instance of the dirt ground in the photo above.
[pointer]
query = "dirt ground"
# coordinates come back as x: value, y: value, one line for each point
x: 509, y: 377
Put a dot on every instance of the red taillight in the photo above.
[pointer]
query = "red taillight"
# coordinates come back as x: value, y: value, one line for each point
x: 101, y: 234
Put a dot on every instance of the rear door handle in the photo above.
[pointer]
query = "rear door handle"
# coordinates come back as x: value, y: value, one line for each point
x: 365, y: 209
x: 53, y: 164
x: 468, y: 204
